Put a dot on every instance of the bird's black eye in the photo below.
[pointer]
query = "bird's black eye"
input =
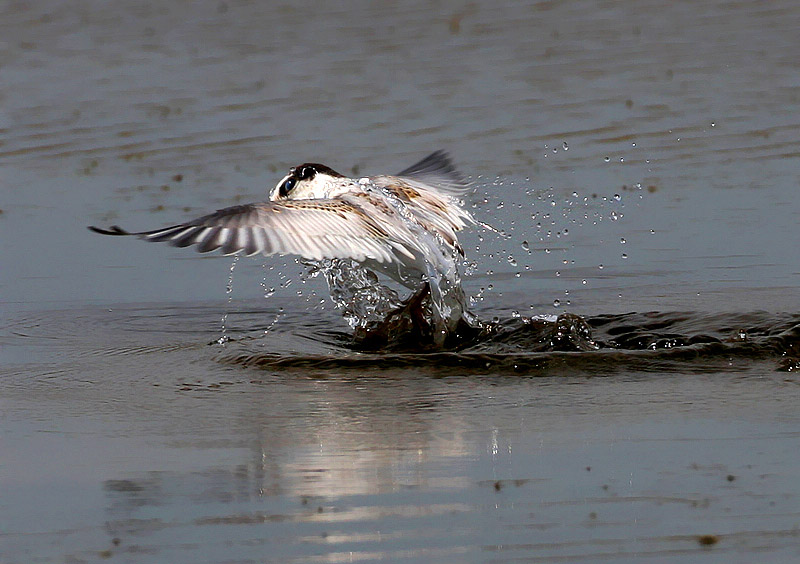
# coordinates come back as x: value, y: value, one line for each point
x: 287, y: 187
x: 306, y: 172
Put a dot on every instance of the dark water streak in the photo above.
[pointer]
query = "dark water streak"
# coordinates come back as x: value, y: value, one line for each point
x: 650, y: 342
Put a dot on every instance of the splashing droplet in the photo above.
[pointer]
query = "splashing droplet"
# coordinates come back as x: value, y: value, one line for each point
x: 228, y: 290
x: 556, y: 303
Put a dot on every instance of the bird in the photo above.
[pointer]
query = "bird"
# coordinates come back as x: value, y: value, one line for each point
x: 404, y: 226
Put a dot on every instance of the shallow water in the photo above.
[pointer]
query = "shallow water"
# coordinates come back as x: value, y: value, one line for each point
x: 659, y: 142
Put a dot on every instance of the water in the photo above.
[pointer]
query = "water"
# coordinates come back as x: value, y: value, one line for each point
x: 657, y: 141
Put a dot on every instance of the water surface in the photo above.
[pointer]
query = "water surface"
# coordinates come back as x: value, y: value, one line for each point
x: 642, y: 160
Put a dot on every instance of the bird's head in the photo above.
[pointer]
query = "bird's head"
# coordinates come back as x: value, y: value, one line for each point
x: 310, y: 181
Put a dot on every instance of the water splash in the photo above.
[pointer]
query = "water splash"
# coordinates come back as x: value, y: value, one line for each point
x: 437, y: 305
x: 380, y: 317
x: 355, y: 291
x: 274, y: 321
x: 228, y: 290
x: 267, y: 290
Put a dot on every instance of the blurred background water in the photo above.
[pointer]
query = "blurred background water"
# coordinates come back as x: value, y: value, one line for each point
x: 643, y: 159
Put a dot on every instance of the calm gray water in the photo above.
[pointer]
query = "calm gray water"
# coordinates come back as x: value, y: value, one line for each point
x: 643, y: 160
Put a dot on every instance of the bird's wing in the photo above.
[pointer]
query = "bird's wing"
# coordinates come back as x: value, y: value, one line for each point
x: 437, y: 211
x: 437, y: 170
x: 313, y: 229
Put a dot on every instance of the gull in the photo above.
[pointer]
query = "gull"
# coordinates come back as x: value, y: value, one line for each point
x: 404, y: 226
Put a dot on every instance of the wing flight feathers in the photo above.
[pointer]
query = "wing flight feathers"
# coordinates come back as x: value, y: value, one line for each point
x: 439, y: 171
x: 314, y: 229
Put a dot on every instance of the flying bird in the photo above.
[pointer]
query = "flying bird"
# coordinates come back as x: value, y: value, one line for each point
x: 404, y: 226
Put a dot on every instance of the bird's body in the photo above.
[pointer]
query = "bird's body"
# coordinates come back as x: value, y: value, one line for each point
x: 404, y: 226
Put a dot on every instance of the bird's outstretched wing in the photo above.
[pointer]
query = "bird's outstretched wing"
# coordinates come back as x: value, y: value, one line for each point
x: 314, y: 229
x: 437, y: 170
x: 432, y: 189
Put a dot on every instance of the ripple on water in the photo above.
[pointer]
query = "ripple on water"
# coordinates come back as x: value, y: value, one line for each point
x: 600, y: 344
x: 649, y: 342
